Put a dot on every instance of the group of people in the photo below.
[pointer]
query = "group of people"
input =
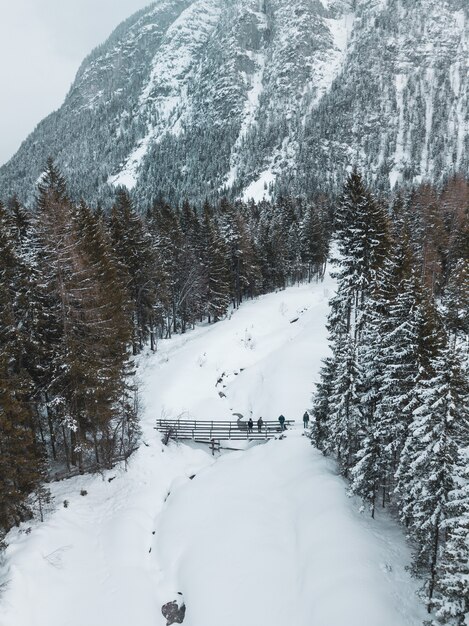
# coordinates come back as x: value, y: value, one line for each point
x: 281, y: 419
x: 260, y: 424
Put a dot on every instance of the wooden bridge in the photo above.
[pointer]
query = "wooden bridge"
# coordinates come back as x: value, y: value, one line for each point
x: 209, y: 431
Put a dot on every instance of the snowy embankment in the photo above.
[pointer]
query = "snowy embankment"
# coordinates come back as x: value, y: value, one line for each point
x: 261, y: 537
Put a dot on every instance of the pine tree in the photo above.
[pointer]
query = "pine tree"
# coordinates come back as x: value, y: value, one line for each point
x: 456, y: 301
x: 243, y: 267
x: 362, y: 235
x: 21, y: 460
x: 321, y: 407
x: 391, y: 360
x: 190, y: 270
x: 20, y: 219
x: 362, y: 242
x: 105, y: 334
x: 430, y: 461
x: 56, y: 260
x: 179, y: 268
x: 133, y: 246
x: 451, y: 602
x: 392, y: 401
x: 277, y: 248
x: 372, y: 462
x: 273, y: 273
x: 343, y: 403
x: 82, y: 326
x: 313, y: 244
x: 21, y: 457
x: 217, y: 276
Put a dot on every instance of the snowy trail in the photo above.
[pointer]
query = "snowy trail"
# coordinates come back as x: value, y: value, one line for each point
x: 263, y: 537
x: 269, y: 537
x: 269, y: 354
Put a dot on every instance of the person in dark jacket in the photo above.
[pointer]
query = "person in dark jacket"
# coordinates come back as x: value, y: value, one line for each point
x: 260, y: 424
x: 250, y: 424
x: 306, y: 419
x: 281, y: 419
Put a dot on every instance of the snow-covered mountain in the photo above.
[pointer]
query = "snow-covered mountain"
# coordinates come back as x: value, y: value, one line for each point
x: 198, y: 97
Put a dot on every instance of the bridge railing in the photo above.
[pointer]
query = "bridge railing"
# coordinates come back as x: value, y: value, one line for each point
x: 206, y: 430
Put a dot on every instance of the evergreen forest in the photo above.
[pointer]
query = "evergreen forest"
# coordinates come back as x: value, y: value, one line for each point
x: 392, y: 404
x: 84, y: 291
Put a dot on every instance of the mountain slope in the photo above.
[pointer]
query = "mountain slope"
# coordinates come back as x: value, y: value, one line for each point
x: 267, y: 535
x: 200, y: 97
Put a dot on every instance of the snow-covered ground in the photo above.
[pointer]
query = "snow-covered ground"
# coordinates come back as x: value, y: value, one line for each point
x: 260, y: 537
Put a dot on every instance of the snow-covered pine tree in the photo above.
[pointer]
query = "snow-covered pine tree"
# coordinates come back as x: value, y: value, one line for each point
x: 429, y: 236
x: 321, y: 406
x: 296, y: 267
x: 251, y: 276
x: 389, y: 363
x: 191, y: 271
x: 21, y: 221
x: 217, y: 274
x: 21, y: 455
x: 278, y: 252
x: 106, y: 333
x: 56, y: 260
x: 362, y: 238
x: 372, y: 462
x: 456, y: 301
x: 177, y: 265
x: 133, y: 246
x: 267, y: 252
x: 343, y: 417
x: 313, y: 245
x: 392, y: 345
x: 243, y: 266
x: 161, y: 317
x: 229, y: 232
x: 451, y: 599
x: 83, y: 326
x: 430, y: 462
x: 362, y: 242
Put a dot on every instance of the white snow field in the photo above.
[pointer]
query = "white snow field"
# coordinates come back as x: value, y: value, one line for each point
x: 265, y: 536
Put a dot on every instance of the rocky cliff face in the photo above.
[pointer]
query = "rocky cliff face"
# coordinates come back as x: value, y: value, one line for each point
x: 195, y: 98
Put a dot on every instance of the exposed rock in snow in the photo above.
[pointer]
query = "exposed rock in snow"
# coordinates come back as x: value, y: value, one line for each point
x: 174, y: 612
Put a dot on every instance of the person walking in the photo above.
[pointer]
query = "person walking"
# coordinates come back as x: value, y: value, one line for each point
x: 281, y: 419
x: 250, y: 424
x: 306, y: 419
x: 260, y: 424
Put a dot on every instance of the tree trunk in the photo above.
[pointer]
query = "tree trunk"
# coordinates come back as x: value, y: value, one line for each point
x: 431, y: 586
x: 51, y: 432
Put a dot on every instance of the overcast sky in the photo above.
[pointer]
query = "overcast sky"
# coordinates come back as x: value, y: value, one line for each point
x: 42, y: 43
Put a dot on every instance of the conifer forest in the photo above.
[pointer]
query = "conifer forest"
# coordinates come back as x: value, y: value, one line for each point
x: 83, y: 291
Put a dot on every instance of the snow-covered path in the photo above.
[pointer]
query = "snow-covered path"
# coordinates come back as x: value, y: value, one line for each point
x: 268, y: 355
x: 268, y: 537
x: 261, y: 537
